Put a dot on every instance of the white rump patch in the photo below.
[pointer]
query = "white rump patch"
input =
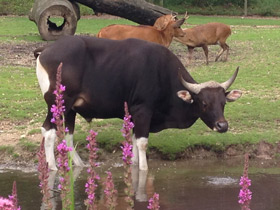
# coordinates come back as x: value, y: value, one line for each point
x: 43, y: 77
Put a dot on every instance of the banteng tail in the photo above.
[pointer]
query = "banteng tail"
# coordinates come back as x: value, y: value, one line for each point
x: 39, y: 50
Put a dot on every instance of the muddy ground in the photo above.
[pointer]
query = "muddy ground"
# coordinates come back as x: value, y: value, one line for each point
x: 21, y: 54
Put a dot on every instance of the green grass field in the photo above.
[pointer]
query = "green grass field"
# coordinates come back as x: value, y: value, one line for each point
x: 253, y: 118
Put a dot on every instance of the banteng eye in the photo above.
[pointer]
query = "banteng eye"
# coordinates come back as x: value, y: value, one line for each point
x: 204, y: 105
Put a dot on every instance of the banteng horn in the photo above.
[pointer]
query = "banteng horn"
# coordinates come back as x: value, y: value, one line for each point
x: 195, y: 88
x: 228, y: 83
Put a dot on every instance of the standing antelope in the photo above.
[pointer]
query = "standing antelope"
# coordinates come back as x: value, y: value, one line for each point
x: 204, y: 35
x: 162, y: 33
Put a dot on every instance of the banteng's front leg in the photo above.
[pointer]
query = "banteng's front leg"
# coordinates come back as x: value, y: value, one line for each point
x: 139, y: 152
x: 142, y: 145
x: 135, y: 158
x: 141, y: 119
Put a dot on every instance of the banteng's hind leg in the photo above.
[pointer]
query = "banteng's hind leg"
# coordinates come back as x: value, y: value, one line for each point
x: 70, y: 124
x: 49, y: 134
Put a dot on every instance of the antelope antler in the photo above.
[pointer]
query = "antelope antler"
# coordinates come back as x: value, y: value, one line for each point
x: 173, y: 16
x: 186, y: 15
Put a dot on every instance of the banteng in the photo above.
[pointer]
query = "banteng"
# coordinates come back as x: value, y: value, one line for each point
x: 101, y: 74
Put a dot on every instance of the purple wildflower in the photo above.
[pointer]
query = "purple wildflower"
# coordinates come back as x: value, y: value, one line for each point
x: 43, y: 170
x: 110, y: 192
x: 62, y: 159
x: 11, y: 203
x: 245, y: 195
x: 6, y: 204
x: 126, y: 130
x: 127, y: 125
x: 13, y: 197
x: 92, y: 147
x: 154, y: 202
x: 58, y: 108
x: 93, y: 177
x: 127, y: 155
x: 64, y: 172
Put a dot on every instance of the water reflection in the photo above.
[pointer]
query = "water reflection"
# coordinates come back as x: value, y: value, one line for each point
x: 182, y: 185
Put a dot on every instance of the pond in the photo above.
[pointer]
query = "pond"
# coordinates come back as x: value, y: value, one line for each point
x: 182, y: 185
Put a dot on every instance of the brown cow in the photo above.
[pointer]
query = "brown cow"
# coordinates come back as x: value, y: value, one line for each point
x: 144, y: 32
x: 204, y: 35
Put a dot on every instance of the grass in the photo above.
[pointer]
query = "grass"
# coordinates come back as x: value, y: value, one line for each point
x: 253, y: 118
x: 19, y: 94
x: 28, y: 146
x: 8, y: 149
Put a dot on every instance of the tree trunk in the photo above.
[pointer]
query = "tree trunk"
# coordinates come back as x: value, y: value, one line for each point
x: 245, y: 7
x: 138, y: 11
x: 44, y: 10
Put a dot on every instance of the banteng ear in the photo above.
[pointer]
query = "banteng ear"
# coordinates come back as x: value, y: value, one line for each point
x: 185, y: 96
x: 233, y: 95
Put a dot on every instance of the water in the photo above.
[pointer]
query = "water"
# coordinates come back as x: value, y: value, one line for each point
x: 182, y: 185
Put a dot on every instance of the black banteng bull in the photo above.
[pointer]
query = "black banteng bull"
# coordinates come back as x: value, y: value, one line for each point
x: 100, y: 75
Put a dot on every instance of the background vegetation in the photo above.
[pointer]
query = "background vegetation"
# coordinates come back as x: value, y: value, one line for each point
x: 209, y: 7
x: 254, y: 47
x: 253, y: 118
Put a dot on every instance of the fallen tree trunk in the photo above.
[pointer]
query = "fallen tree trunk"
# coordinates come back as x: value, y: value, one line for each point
x: 44, y: 10
x: 138, y: 11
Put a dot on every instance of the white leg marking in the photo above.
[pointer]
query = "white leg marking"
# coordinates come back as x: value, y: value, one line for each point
x: 50, y: 137
x: 76, y: 158
x: 142, y: 144
x: 135, y: 158
x: 42, y: 76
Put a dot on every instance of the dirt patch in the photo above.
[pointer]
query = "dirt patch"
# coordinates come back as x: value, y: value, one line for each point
x: 14, y: 143
x: 20, y: 54
x: 10, y: 133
